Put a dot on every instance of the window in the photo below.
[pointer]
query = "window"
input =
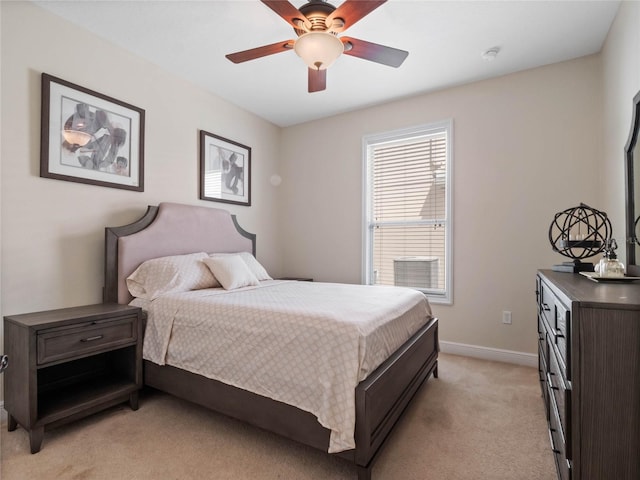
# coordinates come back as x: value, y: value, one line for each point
x: 407, y: 231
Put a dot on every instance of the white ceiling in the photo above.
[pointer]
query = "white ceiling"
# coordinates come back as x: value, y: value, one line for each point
x: 445, y: 40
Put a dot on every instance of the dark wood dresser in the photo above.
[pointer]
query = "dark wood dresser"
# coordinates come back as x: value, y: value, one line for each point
x: 69, y: 363
x: 589, y: 364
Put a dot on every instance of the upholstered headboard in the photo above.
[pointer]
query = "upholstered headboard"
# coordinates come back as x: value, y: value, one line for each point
x: 168, y: 229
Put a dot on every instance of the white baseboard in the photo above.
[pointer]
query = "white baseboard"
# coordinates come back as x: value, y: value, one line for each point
x: 486, y: 353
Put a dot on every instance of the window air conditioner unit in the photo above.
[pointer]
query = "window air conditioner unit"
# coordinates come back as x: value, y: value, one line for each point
x: 416, y: 272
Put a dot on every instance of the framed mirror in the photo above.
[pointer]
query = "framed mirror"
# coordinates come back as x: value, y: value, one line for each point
x: 632, y: 157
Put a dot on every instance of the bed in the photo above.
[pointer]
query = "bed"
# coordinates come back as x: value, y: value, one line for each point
x: 379, y: 398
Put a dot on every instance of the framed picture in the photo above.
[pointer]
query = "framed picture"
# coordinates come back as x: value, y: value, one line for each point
x: 225, y: 170
x: 90, y: 138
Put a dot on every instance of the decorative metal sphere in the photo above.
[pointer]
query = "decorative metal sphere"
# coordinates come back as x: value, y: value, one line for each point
x: 579, y: 232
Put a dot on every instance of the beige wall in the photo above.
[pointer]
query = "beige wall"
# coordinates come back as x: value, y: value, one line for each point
x: 52, y: 230
x: 621, y: 82
x: 525, y: 146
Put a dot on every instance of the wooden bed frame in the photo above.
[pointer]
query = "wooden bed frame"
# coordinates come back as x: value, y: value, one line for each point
x: 380, y: 399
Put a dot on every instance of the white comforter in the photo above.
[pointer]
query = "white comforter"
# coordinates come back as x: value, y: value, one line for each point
x: 305, y: 344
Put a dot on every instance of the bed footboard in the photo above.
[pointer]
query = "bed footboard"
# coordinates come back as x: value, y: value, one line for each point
x: 383, y: 396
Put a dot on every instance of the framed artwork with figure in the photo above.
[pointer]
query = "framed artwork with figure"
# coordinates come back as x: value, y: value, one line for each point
x: 88, y: 137
x: 225, y: 170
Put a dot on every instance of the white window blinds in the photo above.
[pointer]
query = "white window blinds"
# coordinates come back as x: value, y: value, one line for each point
x: 407, y: 224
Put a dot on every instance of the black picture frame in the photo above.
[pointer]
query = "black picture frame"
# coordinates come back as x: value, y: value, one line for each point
x: 225, y: 170
x: 88, y: 137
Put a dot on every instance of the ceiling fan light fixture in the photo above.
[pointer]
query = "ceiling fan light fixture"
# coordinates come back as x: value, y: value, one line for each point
x: 318, y: 49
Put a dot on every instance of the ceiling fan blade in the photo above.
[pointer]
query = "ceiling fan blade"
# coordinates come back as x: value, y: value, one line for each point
x: 350, y: 12
x: 258, y: 52
x: 287, y: 11
x: 373, y: 52
x: 317, y: 80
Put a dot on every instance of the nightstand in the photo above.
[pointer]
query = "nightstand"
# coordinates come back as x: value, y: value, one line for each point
x: 70, y: 363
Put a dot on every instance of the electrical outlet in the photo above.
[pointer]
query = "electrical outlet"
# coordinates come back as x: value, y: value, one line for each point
x: 506, y: 317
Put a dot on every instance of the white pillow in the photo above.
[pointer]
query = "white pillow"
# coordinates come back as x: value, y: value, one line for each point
x: 231, y: 271
x: 254, y: 265
x: 177, y: 273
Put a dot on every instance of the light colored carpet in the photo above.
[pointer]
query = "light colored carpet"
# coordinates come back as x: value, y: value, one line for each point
x: 479, y: 420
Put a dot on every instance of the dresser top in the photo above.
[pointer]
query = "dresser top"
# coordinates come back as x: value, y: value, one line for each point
x: 580, y: 289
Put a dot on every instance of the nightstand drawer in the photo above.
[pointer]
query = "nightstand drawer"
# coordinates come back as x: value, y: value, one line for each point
x: 66, y: 343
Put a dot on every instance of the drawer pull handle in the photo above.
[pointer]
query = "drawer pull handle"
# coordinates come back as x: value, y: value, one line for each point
x: 91, y: 339
x: 545, y: 307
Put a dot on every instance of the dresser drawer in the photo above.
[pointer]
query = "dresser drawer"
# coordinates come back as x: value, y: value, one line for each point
x: 561, y: 333
x: 542, y: 329
x: 558, y: 446
x: 558, y: 388
x: 543, y: 351
x: 558, y: 320
x: 542, y: 374
x: 547, y: 302
x: 82, y: 339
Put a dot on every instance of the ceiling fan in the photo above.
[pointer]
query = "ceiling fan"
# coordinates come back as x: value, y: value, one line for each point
x: 317, y: 25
